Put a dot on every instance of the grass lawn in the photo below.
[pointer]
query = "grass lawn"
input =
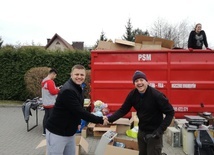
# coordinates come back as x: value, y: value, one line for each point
x: 10, y: 102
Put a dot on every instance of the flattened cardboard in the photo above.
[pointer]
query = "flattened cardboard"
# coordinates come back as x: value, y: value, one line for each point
x: 124, y: 42
x: 165, y: 43
x: 105, y: 45
x: 151, y: 45
x: 131, y: 147
x: 121, y: 47
x: 137, y: 46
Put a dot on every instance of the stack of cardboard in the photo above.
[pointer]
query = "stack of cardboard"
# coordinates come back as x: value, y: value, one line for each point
x: 141, y: 43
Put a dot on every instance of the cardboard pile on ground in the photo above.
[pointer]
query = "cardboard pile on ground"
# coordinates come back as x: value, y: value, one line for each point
x: 141, y: 43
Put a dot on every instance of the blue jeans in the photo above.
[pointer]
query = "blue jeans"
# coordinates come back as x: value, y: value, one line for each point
x: 60, y: 145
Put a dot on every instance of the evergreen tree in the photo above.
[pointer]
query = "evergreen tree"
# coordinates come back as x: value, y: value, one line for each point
x: 139, y: 32
x: 1, y: 42
x: 102, y: 38
x: 129, y: 36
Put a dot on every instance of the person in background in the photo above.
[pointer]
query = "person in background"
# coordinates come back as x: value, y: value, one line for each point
x: 197, y: 38
x: 49, y: 94
x: 150, y: 105
x: 67, y: 114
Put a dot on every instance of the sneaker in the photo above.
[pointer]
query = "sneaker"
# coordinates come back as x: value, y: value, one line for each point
x: 42, y: 108
x: 43, y: 134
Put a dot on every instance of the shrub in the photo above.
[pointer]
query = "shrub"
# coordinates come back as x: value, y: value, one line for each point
x: 33, y: 79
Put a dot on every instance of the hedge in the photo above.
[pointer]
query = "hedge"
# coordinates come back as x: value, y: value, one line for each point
x: 15, y: 62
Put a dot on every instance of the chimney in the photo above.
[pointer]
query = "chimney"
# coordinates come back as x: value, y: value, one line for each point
x: 78, y: 45
x: 48, y: 40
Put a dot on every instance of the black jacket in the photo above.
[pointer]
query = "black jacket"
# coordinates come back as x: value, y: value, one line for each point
x: 196, y: 40
x: 150, y: 108
x: 68, y: 111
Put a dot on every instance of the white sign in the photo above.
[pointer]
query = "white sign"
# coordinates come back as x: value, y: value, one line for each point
x: 144, y: 57
x: 152, y: 85
x: 160, y: 85
x: 183, y: 85
x: 157, y: 85
x: 181, y: 109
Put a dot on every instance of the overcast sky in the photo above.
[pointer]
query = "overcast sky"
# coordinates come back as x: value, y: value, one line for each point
x: 27, y: 21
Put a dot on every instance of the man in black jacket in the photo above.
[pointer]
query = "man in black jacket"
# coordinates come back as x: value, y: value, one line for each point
x: 67, y: 114
x: 150, y: 105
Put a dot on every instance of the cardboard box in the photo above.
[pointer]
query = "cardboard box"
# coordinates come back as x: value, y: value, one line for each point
x: 84, y: 132
x: 123, y: 124
x: 99, y: 130
x: 81, y: 142
x: 131, y: 147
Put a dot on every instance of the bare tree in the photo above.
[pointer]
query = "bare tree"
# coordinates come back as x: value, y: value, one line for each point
x: 183, y: 31
x: 178, y: 33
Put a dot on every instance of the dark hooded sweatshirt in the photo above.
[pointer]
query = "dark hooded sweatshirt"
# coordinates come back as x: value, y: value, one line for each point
x: 150, y: 108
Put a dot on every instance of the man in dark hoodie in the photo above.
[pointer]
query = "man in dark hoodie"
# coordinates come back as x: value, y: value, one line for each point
x: 150, y: 105
x: 67, y: 114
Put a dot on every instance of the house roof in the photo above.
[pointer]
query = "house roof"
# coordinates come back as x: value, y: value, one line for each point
x: 56, y: 36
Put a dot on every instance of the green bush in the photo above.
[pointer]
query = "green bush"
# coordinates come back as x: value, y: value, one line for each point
x: 15, y: 62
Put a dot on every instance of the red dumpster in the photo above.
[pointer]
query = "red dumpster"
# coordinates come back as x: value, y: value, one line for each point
x: 185, y: 77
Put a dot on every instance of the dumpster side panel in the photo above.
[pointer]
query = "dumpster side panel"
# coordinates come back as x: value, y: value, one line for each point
x: 186, y: 78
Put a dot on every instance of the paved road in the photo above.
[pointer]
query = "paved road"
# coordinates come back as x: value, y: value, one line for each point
x: 15, y: 140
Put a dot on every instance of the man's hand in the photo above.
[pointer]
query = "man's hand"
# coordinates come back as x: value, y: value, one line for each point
x: 105, y: 120
x: 156, y: 134
x: 190, y: 49
x: 79, y: 127
x: 209, y: 49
